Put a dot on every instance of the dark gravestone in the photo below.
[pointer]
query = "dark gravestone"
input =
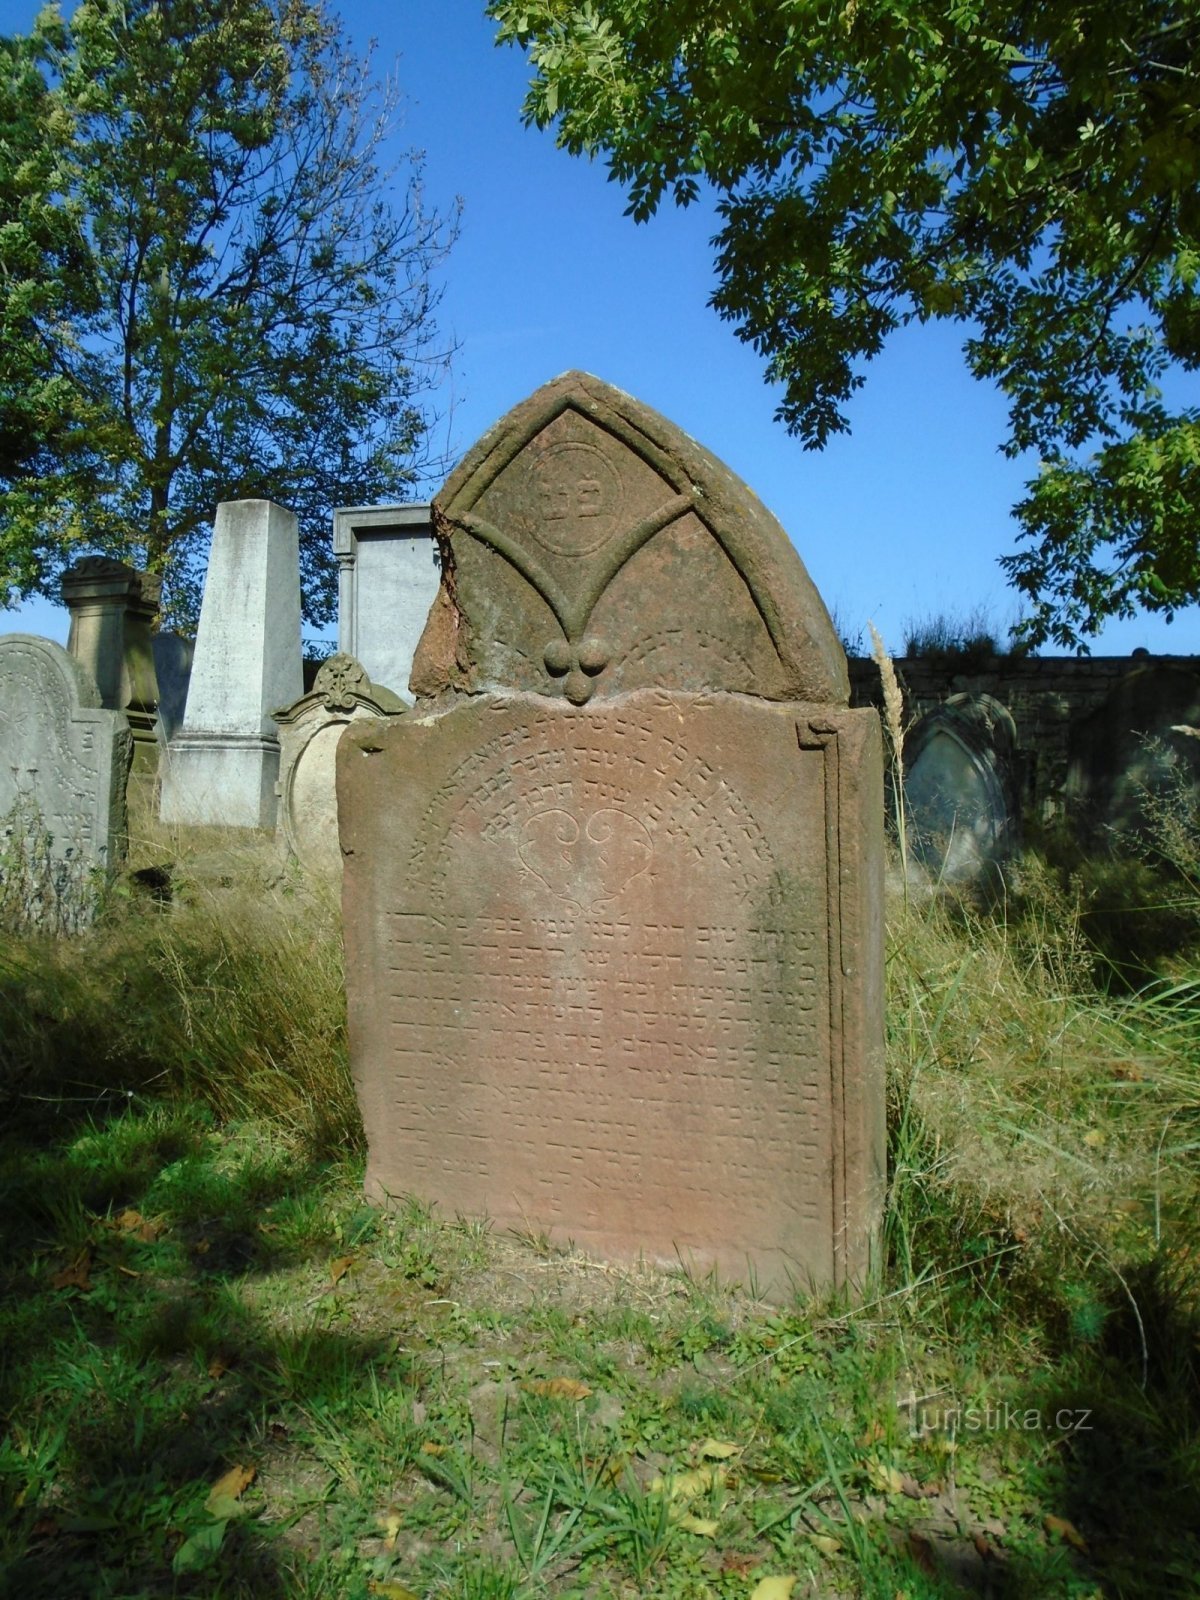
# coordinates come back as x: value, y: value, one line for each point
x: 1133, y: 759
x: 613, y: 891
x: 960, y: 789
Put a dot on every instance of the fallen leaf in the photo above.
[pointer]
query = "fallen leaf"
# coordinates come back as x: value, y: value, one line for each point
x: 224, y: 1495
x: 706, y: 1527
x: 921, y: 1550
x: 1093, y: 1138
x: 339, y: 1268
x: 200, y: 1550
x: 874, y: 1433
x: 390, y: 1521
x: 392, y: 1591
x: 715, y: 1450
x: 143, y: 1228
x: 1067, y: 1532
x: 128, y: 1272
x: 918, y: 1491
x: 557, y: 1388
x: 773, y: 1588
x: 431, y: 1449
x: 201, y: 1247
x: 825, y: 1543
x: 982, y: 1546
x: 687, y: 1485
x: 217, y: 1368
x: 883, y: 1478
x: 76, y: 1275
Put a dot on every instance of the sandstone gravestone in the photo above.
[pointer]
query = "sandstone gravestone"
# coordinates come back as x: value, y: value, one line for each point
x: 309, y: 732
x: 63, y: 765
x: 960, y: 789
x: 612, y: 892
x: 224, y: 764
x: 388, y: 574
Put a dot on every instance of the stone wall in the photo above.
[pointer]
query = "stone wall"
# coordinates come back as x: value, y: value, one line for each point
x: 1048, y: 697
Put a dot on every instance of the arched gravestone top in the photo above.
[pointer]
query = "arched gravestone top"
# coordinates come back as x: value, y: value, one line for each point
x: 590, y: 548
x: 959, y: 786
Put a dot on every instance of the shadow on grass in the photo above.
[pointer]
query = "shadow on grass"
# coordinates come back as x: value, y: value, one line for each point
x: 137, y: 1369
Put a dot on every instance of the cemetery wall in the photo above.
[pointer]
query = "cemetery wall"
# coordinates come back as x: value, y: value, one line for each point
x: 1047, y: 697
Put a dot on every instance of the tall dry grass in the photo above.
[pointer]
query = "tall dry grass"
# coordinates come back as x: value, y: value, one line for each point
x: 230, y: 993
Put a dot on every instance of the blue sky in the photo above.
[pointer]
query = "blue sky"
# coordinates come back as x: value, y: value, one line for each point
x: 903, y: 518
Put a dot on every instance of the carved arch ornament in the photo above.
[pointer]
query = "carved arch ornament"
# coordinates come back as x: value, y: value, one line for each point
x: 694, y: 483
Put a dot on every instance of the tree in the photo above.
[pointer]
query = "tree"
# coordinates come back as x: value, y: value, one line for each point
x: 255, y: 317
x: 1032, y: 171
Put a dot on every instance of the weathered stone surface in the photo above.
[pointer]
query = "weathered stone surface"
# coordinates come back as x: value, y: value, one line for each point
x: 224, y: 764
x: 309, y: 731
x: 960, y: 788
x: 113, y: 608
x: 388, y: 574
x: 63, y: 765
x: 613, y: 892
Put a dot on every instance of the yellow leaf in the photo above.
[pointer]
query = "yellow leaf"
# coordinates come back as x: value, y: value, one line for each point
x: 431, y: 1449
x: 773, y: 1589
x: 557, y: 1388
x: 1067, y: 1531
x: 687, y: 1485
x: 885, y: 1479
x: 392, y: 1591
x: 714, y: 1450
x: 390, y: 1521
x: 339, y: 1268
x: 825, y: 1543
x: 706, y: 1527
x: 1093, y: 1138
x: 227, y: 1490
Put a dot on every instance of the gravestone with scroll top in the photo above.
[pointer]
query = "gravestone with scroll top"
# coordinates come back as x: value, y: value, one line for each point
x: 612, y: 891
x: 64, y: 760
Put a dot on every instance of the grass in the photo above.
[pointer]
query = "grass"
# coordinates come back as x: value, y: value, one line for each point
x: 222, y: 1374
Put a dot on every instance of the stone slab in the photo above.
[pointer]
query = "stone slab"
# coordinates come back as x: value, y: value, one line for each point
x: 388, y: 575
x: 63, y: 766
x: 607, y: 985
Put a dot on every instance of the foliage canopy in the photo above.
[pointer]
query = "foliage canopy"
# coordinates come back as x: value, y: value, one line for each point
x: 1031, y: 171
x: 206, y: 291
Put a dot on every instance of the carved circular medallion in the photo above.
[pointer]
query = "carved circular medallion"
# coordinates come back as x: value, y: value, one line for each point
x: 578, y: 501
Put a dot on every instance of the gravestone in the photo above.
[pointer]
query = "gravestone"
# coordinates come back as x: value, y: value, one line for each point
x: 1128, y: 763
x: 612, y: 892
x: 113, y: 608
x: 960, y: 788
x: 63, y: 765
x: 388, y: 574
x: 223, y: 765
x: 309, y: 731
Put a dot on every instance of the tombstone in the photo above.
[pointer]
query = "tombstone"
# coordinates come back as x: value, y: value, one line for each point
x: 612, y: 893
x: 224, y: 764
x: 113, y: 609
x: 172, y: 669
x: 1128, y: 762
x: 388, y: 574
x: 960, y: 789
x: 309, y: 732
x: 63, y: 765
